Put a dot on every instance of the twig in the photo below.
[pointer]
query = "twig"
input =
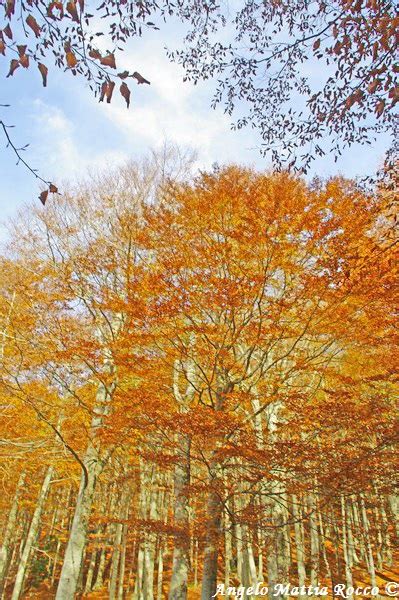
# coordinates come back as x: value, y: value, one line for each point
x: 17, y: 152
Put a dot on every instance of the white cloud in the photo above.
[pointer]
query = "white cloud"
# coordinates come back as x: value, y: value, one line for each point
x: 61, y: 150
x: 173, y: 110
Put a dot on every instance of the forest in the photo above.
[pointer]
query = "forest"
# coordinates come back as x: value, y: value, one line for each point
x: 198, y: 388
x: 198, y: 343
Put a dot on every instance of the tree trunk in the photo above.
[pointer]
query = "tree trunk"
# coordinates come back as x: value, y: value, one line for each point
x: 211, y: 551
x: 31, y: 537
x: 371, y: 567
x: 314, y: 541
x: 118, y: 542
x: 299, y: 541
x: 181, y: 551
x: 73, y: 558
x: 160, y: 570
x: 75, y: 549
x: 347, y: 560
x: 90, y: 571
x: 9, y: 533
x: 394, y: 506
x: 228, y: 554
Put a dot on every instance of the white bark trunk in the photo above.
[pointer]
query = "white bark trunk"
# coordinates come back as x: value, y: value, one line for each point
x: 299, y: 541
x: 9, y: 533
x: 75, y: 549
x: 73, y: 558
x: 181, y: 551
x: 31, y: 537
x: 347, y: 560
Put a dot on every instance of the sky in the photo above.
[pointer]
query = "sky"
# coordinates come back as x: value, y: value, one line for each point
x: 69, y: 132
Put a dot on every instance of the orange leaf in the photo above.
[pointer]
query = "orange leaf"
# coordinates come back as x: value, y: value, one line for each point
x: 71, y: 8
x: 8, y: 32
x: 58, y: 6
x: 32, y: 23
x: 24, y: 61
x: 104, y: 88
x: 43, y: 197
x: 109, y: 91
x: 21, y: 50
x: 2, y: 47
x: 71, y: 59
x: 53, y: 188
x: 95, y: 54
x: 316, y: 45
x: 10, y: 8
x: 373, y: 86
x: 108, y: 61
x: 379, y: 109
x: 43, y: 71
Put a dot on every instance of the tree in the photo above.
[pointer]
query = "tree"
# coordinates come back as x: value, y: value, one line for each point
x: 260, y: 295
x: 199, y: 378
x: 261, y: 72
x: 350, y: 46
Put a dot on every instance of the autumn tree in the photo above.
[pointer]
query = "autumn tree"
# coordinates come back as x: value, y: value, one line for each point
x: 198, y: 383
x: 258, y: 295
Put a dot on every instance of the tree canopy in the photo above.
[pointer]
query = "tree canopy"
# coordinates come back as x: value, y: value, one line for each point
x: 259, y: 53
x: 198, y: 381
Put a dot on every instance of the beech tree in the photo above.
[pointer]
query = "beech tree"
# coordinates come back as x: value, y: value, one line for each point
x: 197, y: 384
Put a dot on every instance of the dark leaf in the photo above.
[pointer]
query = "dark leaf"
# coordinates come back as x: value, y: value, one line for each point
x: 14, y: 64
x: 124, y: 90
x: 32, y: 23
x: 140, y: 78
x: 43, y: 71
x: 43, y: 197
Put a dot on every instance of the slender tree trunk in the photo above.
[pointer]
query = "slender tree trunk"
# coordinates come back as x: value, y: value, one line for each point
x: 149, y: 510
x: 196, y: 564
x: 239, y: 552
x: 314, y: 541
x: 9, y: 532
x: 299, y: 541
x: 138, y: 593
x: 181, y: 551
x: 31, y: 537
x: 107, y: 508
x: 100, y: 571
x: 260, y: 555
x: 116, y: 555
x: 387, y: 549
x: 73, y: 559
x: 228, y: 554
x: 347, y: 560
x: 394, y: 506
x: 160, y: 569
x: 322, y: 542
x: 250, y: 578
x: 118, y: 541
x: 211, y: 551
x: 90, y: 571
x: 371, y: 567
x: 122, y: 565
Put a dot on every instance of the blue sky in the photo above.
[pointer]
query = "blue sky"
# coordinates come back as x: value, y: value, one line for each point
x: 69, y: 132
